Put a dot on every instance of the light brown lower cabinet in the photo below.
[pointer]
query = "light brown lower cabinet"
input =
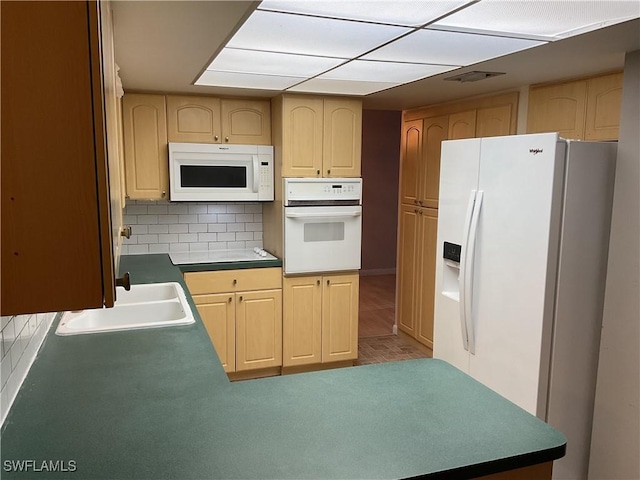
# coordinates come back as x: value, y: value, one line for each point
x: 245, y: 326
x: 416, y: 272
x: 320, y: 319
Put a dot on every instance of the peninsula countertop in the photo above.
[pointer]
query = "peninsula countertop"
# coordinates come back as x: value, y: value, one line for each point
x: 157, y: 404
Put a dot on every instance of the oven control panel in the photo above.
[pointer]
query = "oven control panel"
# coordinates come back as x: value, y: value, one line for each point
x: 319, y: 189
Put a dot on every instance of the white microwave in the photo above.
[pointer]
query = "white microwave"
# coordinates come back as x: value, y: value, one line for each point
x: 207, y: 172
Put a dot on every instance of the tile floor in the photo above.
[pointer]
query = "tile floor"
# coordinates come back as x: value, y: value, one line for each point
x: 376, y: 342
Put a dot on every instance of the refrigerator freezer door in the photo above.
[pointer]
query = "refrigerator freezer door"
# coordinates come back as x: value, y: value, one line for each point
x: 458, y: 178
x: 515, y: 264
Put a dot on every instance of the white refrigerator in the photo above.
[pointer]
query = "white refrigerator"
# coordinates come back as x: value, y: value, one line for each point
x: 523, y: 236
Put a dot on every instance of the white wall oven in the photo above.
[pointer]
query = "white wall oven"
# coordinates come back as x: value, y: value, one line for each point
x: 322, y: 224
x: 209, y: 172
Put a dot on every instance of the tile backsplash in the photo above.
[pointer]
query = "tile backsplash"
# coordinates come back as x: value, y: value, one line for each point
x: 163, y: 227
x: 21, y: 337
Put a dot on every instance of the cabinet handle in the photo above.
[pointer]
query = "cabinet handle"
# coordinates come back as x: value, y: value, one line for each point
x: 240, y: 297
x: 226, y: 139
x: 216, y: 137
x: 328, y: 281
x: 230, y: 298
x: 318, y: 282
x: 318, y: 172
x: 126, y: 231
x: 415, y: 201
x: 164, y: 194
x: 124, y: 281
x: 328, y: 172
x: 420, y: 212
x: 235, y: 282
x: 420, y: 202
x: 415, y: 210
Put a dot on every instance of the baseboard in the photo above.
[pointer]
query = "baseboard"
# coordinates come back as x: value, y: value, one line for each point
x: 378, y: 271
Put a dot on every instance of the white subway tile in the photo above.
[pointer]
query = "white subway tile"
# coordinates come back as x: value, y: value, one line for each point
x: 253, y: 208
x: 130, y: 219
x: 253, y: 243
x: 235, y: 208
x: 148, y: 219
x: 187, y: 237
x: 187, y: 218
x: 179, y: 228
x: 138, y: 249
x: 136, y: 210
x: 179, y: 247
x: 124, y: 250
x: 8, y: 336
x: 217, y: 227
x: 158, y: 228
x: 253, y: 227
x: 208, y: 218
x: 227, y: 218
x: 132, y: 240
x: 139, y: 229
x: 197, y: 209
x: 217, y: 245
x: 153, y: 238
x: 216, y: 208
x: 197, y: 227
x: 178, y: 209
x: 5, y: 370
x: 16, y: 352
x: 235, y: 227
x: 168, y: 219
x: 4, y: 321
x: 244, y: 236
x: 207, y: 237
x: 257, y: 218
x: 168, y: 238
x: 159, y: 248
x: 158, y: 209
x: 198, y: 246
x: 257, y: 236
x: 226, y: 237
x: 234, y: 245
x: 20, y: 321
x: 33, y: 324
x: 244, y: 217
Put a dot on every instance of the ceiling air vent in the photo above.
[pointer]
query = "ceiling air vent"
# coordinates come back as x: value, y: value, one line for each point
x: 473, y: 76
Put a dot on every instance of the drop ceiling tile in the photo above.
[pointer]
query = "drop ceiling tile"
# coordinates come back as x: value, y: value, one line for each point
x: 448, y: 48
x: 287, y: 33
x: 269, y: 63
x: 409, y: 13
x: 246, y: 80
x: 542, y: 17
x: 369, y: 70
x: 341, y: 87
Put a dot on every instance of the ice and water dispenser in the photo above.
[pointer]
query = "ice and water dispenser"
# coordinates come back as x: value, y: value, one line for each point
x: 451, y: 271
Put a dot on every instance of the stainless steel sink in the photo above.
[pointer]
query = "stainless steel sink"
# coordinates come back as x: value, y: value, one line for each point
x: 144, y: 306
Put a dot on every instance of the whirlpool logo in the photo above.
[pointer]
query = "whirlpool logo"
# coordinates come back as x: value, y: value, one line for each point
x: 535, y: 151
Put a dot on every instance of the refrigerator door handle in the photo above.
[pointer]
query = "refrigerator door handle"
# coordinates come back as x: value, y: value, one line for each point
x: 468, y: 279
x: 463, y: 268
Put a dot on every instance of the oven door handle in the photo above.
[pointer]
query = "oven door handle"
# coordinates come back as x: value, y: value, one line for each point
x: 256, y: 177
x: 356, y: 213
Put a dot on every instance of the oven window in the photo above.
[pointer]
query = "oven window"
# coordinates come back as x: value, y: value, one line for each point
x: 324, y: 232
x: 213, y: 176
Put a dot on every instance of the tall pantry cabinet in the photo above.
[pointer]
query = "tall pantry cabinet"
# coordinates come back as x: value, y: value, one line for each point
x: 423, y: 131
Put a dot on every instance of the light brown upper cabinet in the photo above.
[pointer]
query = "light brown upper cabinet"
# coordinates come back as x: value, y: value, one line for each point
x: 411, y: 160
x: 462, y: 125
x: 212, y: 120
x: 493, y: 121
x: 319, y: 136
x: 586, y: 109
x: 56, y: 221
x: 145, y: 144
x: 435, y: 131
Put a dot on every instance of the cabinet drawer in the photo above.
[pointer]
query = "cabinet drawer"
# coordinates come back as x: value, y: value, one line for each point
x: 233, y: 280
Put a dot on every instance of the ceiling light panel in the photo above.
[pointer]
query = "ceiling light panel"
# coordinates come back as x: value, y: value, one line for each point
x: 448, y: 48
x: 542, y: 17
x: 388, y: 72
x: 247, y: 80
x: 269, y: 63
x: 286, y: 33
x: 408, y: 13
x: 341, y: 87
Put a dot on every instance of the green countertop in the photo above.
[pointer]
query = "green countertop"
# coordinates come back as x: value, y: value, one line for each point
x: 157, y: 404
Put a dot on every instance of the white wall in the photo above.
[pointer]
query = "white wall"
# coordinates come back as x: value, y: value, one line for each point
x: 615, y: 446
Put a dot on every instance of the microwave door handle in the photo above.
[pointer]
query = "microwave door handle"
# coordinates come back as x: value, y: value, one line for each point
x: 256, y: 178
x: 323, y: 215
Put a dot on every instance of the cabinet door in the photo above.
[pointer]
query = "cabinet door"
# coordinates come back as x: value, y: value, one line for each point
x: 494, y: 121
x: 407, y: 269
x: 246, y: 122
x: 340, y: 317
x: 558, y: 108
x: 604, y: 97
x: 410, y: 159
x: 193, y: 119
x: 428, y: 219
x: 462, y: 125
x: 258, y: 329
x: 302, y: 120
x: 218, y: 313
x: 434, y: 131
x: 301, y: 320
x: 145, y: 143
x: 342, y: 138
